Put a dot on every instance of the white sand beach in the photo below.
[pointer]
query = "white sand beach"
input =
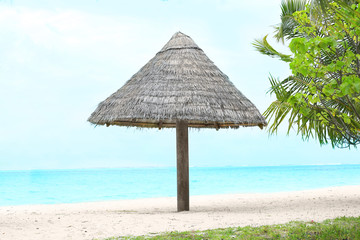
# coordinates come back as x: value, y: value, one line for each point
x: 147, y: 216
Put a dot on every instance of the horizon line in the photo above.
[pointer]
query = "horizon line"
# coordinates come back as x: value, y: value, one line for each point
x: 148, y: 167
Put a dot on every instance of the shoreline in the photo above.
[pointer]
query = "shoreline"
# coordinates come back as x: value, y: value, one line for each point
x: 152, y: 215
x: 153, y: 198
x: 98, y: 202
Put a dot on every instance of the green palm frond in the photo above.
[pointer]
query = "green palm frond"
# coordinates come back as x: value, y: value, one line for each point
x: 262, y: 46
x: 275, y: 114
x: 286, y: 29
x: 310, y: 125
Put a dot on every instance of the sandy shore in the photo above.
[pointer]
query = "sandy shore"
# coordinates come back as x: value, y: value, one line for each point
x: 146, y: 216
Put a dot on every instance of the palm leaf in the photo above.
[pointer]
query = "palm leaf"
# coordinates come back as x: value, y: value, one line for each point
x: 286, y: 29
x: 262, y: 46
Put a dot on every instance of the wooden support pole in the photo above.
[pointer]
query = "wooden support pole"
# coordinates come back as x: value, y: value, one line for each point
x: 182, y: 150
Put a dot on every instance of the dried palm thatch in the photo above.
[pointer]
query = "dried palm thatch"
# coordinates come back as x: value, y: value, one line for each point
x: 179, y: 83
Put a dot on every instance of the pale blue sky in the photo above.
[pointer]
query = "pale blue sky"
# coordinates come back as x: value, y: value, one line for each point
x: 60, y: 58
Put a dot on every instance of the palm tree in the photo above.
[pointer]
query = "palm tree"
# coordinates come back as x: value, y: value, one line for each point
x: 321, y: 120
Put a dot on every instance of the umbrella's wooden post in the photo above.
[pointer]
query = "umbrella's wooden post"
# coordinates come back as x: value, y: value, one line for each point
x: 182, y: 149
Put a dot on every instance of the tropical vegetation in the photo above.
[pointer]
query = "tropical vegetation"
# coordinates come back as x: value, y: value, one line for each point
x: 321, y: 98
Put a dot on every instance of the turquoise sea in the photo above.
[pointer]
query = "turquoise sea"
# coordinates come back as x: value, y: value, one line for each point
x: 85, y: 185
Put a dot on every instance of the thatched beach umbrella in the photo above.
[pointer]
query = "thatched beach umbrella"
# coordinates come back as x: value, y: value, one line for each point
x: 179, y: 87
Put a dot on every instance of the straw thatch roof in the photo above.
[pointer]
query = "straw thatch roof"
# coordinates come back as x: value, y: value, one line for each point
x: 179, y: 83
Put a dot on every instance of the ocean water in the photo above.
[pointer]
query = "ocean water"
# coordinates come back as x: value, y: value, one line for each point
x: 85, y: 185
